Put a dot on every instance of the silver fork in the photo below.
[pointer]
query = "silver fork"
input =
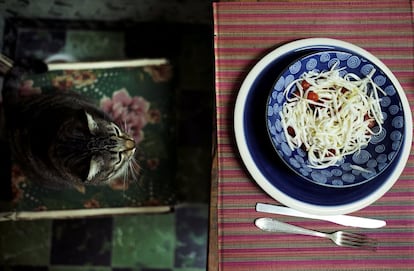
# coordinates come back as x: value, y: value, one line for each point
x: 340, y: 238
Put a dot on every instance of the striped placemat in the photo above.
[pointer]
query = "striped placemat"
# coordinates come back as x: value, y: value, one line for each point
x: 245, y: 32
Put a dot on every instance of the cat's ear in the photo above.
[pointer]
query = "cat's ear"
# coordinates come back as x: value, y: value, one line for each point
x: 95, y: 167
x: 92, y: 125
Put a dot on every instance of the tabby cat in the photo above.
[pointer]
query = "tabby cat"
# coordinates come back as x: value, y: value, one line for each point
x: 61, y: 139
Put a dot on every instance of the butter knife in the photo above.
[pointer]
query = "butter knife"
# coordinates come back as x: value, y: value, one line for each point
x: 345, y: 220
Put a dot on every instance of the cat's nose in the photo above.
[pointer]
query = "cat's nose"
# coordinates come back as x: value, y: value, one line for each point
x: 129, y: 144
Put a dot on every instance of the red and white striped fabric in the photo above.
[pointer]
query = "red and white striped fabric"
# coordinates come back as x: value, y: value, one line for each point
x: 245, y: 32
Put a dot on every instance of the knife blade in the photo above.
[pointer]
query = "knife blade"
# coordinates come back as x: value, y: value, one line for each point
x: 345, y: 220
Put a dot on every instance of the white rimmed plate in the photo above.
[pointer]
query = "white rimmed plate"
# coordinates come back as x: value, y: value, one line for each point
x: 264, y: 165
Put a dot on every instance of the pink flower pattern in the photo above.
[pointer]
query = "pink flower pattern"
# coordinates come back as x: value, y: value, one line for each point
x: 128, y: 111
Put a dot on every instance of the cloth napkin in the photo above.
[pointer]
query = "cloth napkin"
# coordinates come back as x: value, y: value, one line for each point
x: 245, y: 32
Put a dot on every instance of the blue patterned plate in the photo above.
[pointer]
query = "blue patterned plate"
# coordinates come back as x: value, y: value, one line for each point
x: 354, y: 169
x: 267, y: 168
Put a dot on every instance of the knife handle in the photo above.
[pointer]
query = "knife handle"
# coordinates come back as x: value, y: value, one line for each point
x: 273, y: 225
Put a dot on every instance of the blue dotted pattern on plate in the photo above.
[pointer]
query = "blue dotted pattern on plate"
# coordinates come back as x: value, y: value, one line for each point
x: 375, y: 157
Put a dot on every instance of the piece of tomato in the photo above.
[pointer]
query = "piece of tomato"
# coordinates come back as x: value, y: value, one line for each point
x: 305, y: 84
x: 331, y: 153
x: 296, y: 93
x: 372, y: 121
x: 291, y: 131
x: 312, y: 96
x: 344, y: 90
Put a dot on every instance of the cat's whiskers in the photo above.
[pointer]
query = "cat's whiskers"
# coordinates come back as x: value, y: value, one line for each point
x: 130, y: 174
x: 125, y: 179
x: 126, y: 128
x: 132, y: 171
x: 134, y: 168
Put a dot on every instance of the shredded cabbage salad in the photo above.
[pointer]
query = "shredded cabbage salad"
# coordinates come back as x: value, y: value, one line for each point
x: 331, y: 116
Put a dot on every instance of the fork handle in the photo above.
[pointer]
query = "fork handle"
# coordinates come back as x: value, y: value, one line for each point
x: 273, y: 225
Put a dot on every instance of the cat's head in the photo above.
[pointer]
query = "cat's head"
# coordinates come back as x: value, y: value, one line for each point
x: 111, y: 149
x: 94, y: 149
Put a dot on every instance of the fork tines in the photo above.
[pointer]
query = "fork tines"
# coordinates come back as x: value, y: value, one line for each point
x: 358, y: 240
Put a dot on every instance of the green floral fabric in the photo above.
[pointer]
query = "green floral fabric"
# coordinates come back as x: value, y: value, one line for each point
x: 139, y: 99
